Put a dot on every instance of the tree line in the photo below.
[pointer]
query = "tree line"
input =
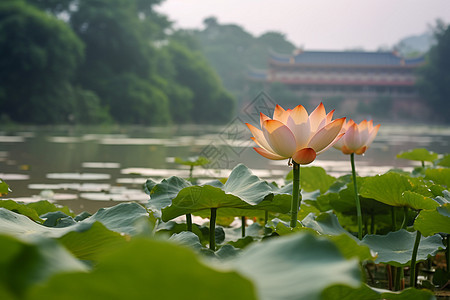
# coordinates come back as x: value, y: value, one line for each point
x: 93, y: 61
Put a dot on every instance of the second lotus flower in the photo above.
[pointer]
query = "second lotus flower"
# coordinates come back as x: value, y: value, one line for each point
x: 293, y: 134
x: 358, y: 137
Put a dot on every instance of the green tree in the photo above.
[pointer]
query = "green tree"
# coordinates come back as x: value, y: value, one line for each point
x: 38, y: 58
x: 434, y: 83
x: 211, y: 103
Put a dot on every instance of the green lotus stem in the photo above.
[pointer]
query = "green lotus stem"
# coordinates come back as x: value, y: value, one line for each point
x: 357, y: 201
x: 423, y: 164
x: 296, y: 196
x: 189, y: 222
x: 398, y: 278
x: 212, y: 229
x: 412, y: 275
x: 447, y: 252
x: 394, y: 217
x: 243, y: 221
x: 266, y: 217
x: 405, y: 215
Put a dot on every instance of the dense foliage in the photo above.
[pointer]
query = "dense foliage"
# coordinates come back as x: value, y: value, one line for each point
x: 96, y: 61
x: 435, y: 75
x: 134, y: 251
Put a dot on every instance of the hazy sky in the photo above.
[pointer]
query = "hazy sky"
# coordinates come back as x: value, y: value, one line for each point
x: 317, y: 24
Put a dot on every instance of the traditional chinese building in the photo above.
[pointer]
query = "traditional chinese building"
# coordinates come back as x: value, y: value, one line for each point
x: 350, y: 76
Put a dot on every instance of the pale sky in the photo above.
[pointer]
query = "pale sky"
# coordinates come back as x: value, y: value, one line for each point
x: 317, y: 24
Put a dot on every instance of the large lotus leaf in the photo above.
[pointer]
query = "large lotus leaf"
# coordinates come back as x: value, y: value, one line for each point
x: 391, y: 188
x: 188, y: 239
x: 440, y: 176
x: 161, y: 194
x: 21, y: 209
x: 323, y: 202
x: 396, y: 248
x: 341, y: 292
x: 296, y: 266
x: 418, y: 154
x: 121, y: 218
x: 445, y: 161
x: 27, y: 263
x: 429, y: 222
x: 346, y: 203
x: 313, y: 178
x: 445, y: 198
x: 43, y: 206
x: 143, y: 269
x: 243, y: 190
x: 88, y: 245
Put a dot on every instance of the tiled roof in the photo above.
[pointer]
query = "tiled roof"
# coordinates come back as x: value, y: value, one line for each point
x: 346, y: 58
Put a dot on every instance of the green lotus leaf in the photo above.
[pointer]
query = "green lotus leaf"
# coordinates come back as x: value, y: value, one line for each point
x: 21, y: 209
x: 341, y: 292
x: 429, y: 222
x: 192, y: 161
x: 313, y: 178
x: 43, y: 206
x: 121, y: 218
x: 445, y: 161
x: 90, y: 244
x: 440, y: 176
x: 188, y: 239
x: 396, y: 248
x: 346, y: 204
x: 418, y: 154
x: 26, y: 263
x: 325, y: 223
x: 162, y: 194
x: 243, y: 190
x: 396, y: 190
x: 4, y: 188
x: 144, y: 269
x: 296, y: 266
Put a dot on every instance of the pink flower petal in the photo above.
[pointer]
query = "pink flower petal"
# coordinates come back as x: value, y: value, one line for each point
x: 304, y: 156
x: 326, y: 135
x: 279, y: 137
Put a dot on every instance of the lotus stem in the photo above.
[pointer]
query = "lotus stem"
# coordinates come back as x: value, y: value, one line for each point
x: 266, y: 217
x: 447, y: 252
x: 405, y: 215
x: 212, y: 229
x: 358, y: 203
x: 243, y: 222
x: 398, y: 278
x: 189, y: 222
x: 296, y: 196
x: 412, y: 275
x: 394, y: 217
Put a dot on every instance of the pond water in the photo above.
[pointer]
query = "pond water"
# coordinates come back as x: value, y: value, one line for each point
x: 89, y: 168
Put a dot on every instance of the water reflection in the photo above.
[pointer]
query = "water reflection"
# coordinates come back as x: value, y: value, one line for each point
x: 59, y: 161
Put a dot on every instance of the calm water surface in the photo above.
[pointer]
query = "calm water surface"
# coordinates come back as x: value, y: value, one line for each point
x: 89, y: 168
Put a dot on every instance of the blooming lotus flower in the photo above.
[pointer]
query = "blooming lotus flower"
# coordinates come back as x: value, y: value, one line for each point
x: 293, y: 134
x: 358, y: 137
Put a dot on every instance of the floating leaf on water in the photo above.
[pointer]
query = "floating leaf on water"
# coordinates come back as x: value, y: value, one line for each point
x: 418, y: 154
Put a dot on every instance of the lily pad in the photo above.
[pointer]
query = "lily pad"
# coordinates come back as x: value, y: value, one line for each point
x: 396, y: 248
x: 297, y: 266
x: 161, y: 194
x: 418, y: 154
